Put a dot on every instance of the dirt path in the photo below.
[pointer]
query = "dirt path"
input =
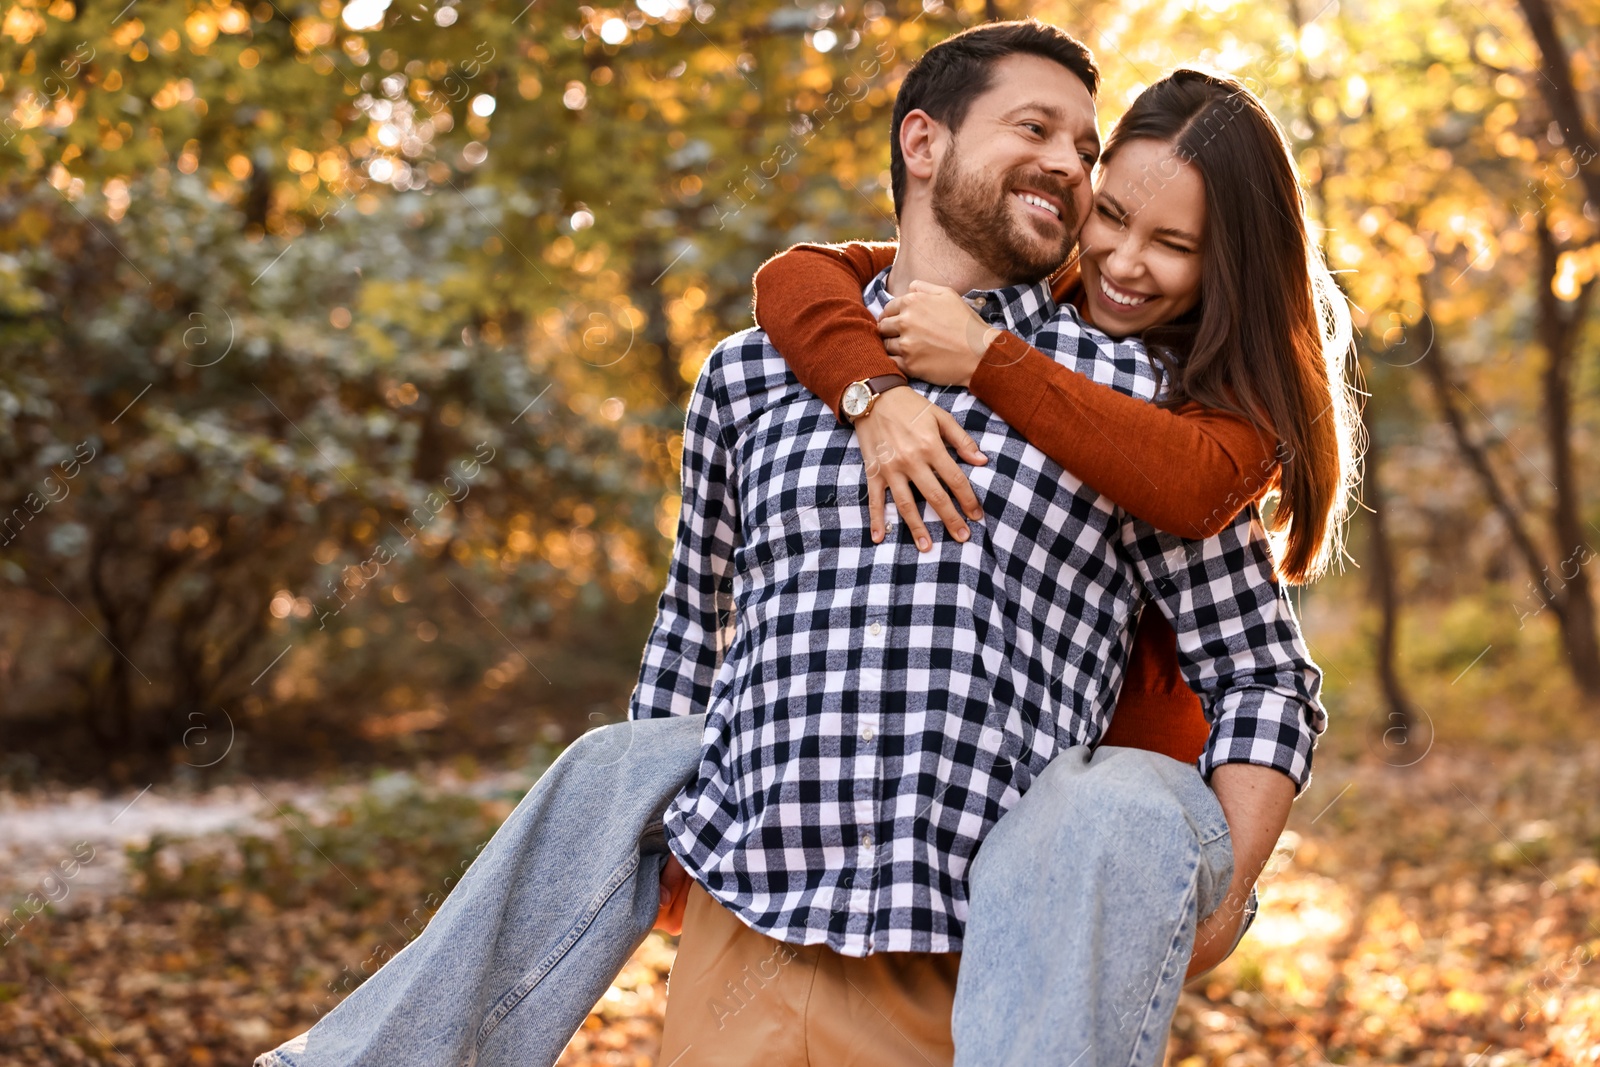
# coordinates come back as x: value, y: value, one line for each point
x: 41, y: 831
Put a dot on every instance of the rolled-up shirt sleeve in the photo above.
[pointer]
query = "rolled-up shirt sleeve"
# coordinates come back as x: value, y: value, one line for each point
x: 694, y: 618
x: 1239, y: 643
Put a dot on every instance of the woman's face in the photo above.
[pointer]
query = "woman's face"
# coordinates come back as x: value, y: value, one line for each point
x: 1141, y: 243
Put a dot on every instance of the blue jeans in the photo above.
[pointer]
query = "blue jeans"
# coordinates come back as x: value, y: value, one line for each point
x: 1084, y: 900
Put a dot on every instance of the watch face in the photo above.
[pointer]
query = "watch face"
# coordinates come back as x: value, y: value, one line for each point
x: 855, y: 399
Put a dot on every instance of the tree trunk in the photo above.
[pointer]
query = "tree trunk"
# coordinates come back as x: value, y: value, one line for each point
x: 1385, y: 584
x: 115, y: 709
x: 1437, y: 367
x: 1556, y: 598
x: 1556, y: 83
x: 645, y: 293
x: 258, y: 192
x: 1559, y: 329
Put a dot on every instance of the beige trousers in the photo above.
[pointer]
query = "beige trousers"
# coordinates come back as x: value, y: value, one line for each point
x: 738, y: 997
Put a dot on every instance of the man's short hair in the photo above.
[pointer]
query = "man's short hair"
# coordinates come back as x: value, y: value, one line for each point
x: 959, y: 69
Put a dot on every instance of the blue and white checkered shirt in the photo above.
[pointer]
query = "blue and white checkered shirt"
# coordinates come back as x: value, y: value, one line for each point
x: 873, y: 710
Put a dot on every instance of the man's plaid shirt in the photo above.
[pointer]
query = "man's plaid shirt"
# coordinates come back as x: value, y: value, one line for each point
x: 873, y: 710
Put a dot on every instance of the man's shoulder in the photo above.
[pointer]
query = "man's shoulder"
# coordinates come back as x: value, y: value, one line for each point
x: 748, y: 344
x: 743, y: 367
x: 1122, y: 364
x: 744, y: 357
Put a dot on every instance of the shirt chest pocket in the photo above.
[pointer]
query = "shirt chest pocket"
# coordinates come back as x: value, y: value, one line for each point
x: 781, y: 561
x: 773, y: 543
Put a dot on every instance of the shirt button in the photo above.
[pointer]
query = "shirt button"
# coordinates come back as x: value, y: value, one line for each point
x: 867, y: 733
x: 875, y: 629
x: 866, y: 840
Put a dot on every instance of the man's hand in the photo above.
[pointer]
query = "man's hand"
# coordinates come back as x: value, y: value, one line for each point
x: 903, y: 443
x: 934, y: 335
x: 1256, y: 801
x: 674, y: 896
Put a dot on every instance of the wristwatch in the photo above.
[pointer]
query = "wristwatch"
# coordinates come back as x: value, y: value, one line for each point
x: 860, y: 396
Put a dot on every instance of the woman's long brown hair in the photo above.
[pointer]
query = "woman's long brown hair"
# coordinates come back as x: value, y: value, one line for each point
x: 1271, y: 335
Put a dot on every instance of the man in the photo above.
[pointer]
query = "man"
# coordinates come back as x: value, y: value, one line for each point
x: 853, y: 718
x: 873, y: 711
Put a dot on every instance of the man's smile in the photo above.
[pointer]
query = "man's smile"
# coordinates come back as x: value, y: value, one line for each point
x: 1039, y: 202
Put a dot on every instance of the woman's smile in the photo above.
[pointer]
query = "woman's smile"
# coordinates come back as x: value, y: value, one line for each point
x: 1141, y: 243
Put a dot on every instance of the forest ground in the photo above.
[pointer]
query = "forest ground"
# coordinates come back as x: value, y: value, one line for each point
x: 1439, y: 913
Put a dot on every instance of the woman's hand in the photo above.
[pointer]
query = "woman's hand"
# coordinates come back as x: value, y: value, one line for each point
x: 674, y: 896
x: 906, y: 440
x: 935, y: 335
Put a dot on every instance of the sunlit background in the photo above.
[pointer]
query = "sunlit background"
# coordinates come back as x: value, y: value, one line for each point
x: 342, y: 356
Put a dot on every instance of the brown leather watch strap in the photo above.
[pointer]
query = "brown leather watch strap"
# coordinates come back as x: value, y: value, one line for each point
x: 878, y: 385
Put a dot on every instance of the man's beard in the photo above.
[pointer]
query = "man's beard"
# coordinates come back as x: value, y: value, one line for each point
x: 975, y: 212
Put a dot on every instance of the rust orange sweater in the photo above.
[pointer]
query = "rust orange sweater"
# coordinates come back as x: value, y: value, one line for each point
x: 1187, y: 470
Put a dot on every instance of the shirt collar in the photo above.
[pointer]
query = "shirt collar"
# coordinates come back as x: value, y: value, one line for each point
x: 1022, y: 309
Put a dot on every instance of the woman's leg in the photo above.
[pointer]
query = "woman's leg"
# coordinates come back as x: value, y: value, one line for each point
x: 1083, y: 904
x: 540, y: 925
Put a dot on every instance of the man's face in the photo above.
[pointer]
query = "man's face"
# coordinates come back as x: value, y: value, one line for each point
x: 1011, y: 188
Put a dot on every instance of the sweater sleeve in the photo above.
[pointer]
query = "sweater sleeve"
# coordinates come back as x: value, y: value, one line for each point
x: 808, y: 300
x: 1187, y: 470
x: 1193, y: 470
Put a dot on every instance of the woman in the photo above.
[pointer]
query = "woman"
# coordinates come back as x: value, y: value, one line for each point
x: 1197, y: 244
